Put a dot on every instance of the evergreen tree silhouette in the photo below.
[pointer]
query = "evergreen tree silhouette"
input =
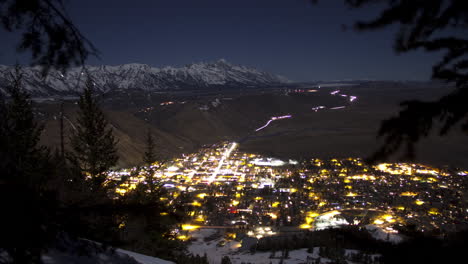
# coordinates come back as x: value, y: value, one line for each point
x: 150, y: 159
x: 149, y: 156
x: 93, y: 142
x: 27, y: 224
x: 47, y: 32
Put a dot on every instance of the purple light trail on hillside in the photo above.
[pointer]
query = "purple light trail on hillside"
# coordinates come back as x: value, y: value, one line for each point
x: 338, y: 107
x: 272, y: 119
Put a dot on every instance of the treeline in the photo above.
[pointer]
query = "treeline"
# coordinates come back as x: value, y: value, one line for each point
x: 49, y: 195
x: 346, y: 237
x: 190, y: 259
x: 418, y: 247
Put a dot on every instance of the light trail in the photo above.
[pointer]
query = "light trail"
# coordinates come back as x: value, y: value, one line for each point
x: 271, y: 120
x: 351, y: 97
x: 267, y: 124
x: 318, y: 108
x: 226, y: 155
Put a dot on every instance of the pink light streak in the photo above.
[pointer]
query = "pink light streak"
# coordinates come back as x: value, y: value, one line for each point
x: 271, y: 120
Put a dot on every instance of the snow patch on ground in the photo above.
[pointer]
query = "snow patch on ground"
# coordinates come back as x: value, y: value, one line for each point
x: 379, y: 234
x: 215, y: 251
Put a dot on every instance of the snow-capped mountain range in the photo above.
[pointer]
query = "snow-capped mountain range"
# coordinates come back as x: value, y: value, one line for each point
x: 141, y: 76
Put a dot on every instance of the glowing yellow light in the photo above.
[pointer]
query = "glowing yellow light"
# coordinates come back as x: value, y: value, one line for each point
x: 395, y: 169
x: 235, y: 202
x: 272, y: 215
x: 322, y: 204
x: 201, y: 195
x: 409, y: 194
x: 331, y: 214
x: 378, y: 222
x: 196, y: 203
x: 182, y: 237
x: 275, y: 204
x: 361, y: 177
x: 419, y: 202
x: 189, y: 227
x: 120, y: 191
x: 387, y: 217
x: 312, y: 214
x: 305, y: 226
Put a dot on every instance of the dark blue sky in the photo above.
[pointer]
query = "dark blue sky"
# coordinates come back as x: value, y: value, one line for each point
x: 293, y: 38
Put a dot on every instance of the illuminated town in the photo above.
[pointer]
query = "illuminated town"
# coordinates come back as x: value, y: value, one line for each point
x: 261, y: 197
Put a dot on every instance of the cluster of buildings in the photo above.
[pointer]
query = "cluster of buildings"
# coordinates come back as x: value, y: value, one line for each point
x: 225, y: 188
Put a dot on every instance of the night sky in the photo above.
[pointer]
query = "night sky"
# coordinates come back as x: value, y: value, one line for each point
x: 294, y: 38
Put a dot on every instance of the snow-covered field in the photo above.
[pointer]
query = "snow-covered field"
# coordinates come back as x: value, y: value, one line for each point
x: 212, y: 243
x: 380, y: 234
x: 231, y: 249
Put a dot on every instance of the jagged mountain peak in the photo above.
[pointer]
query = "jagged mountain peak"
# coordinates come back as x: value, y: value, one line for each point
x: 142, y: 76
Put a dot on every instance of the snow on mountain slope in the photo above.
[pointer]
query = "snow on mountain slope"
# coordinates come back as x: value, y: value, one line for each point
x: 141, y: 76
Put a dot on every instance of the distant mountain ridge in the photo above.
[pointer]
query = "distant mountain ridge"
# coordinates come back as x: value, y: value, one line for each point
x: 142, y: 76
